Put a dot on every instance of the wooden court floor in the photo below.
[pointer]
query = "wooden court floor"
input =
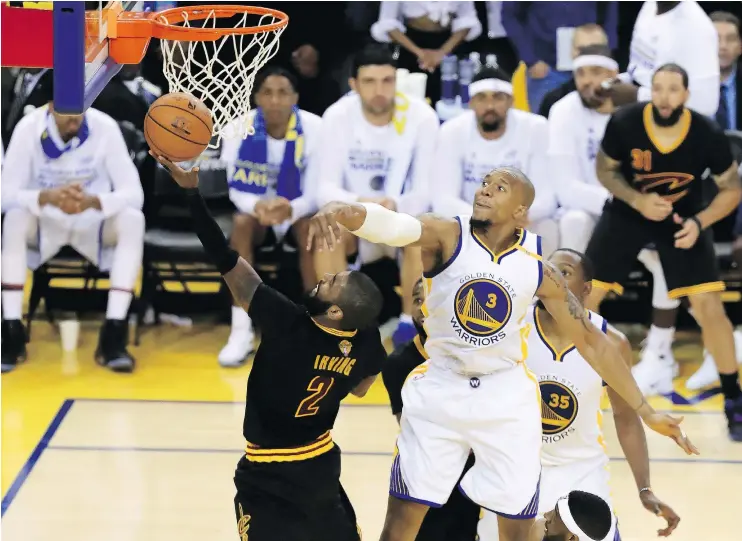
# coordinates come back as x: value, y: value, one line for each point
x: 90, y: 455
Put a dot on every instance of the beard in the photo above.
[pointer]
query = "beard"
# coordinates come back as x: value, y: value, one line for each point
x: 489, y: 127
x: 590, y: 103
x: 669, y: 121
x: 554, y: 538
x: 478, y: 224
x: 314, y: 305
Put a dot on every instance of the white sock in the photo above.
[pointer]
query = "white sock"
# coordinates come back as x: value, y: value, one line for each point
x: 12, y: 304
x: 118, y: 304
x: 405, y: 318
x: 660, y: 339
x: 240, y: 319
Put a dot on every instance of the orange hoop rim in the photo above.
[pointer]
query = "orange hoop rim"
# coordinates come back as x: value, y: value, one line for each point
x: 173, y: 16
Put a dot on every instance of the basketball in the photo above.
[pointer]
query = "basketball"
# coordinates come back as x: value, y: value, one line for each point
x: 178, y: 126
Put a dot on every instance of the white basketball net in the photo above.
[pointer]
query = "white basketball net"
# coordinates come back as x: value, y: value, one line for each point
x: 221, y: 73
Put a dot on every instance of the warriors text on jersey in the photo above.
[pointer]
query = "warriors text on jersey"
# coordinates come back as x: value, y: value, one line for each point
x: 571, y: 391
x: 672, y: 170
x: 476, y: 303
x: 301, y: 372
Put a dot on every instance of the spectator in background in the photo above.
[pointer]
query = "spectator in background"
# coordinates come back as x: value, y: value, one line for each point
x: 729, y: 113
x: 672, y: 32
x: 268, y: 175
x: 541, y: 32
x: 127, y: 96
x: 69, y: 180
x: 490, y: 135
x: 15, y: 98
x: 377, y: 145
x: 587, y: 34
x: 577, y: 123
x: 426, y: 32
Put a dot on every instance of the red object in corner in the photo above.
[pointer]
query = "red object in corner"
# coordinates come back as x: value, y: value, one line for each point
x: 27, y: 37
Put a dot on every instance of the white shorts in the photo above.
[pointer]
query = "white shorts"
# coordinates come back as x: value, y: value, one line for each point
x: 556, y: 481
x: 445, y: 415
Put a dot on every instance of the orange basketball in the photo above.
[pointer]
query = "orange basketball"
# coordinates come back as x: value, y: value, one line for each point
x: 178, y: 126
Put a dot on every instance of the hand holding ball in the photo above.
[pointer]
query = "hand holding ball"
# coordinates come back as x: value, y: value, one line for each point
x: 178, y: 126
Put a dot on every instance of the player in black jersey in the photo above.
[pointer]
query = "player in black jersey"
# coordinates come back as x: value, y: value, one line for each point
x: 309, y: 359
x: 652, y: 159
x: 457, y: 519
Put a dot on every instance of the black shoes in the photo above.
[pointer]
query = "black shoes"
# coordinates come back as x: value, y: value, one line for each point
x: 733, y: 411
x: 111, y: 351
x: 14, y: 344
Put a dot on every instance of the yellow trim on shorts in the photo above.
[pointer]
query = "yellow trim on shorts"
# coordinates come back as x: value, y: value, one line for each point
x: 321, y: 445
x: 609, y: 286
x: 708, y: 287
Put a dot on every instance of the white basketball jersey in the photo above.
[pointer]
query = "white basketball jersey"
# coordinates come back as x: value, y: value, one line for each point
x: 571, y: 391
x: 476, y: 304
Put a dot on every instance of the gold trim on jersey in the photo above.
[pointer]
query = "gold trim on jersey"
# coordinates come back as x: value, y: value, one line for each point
x: 649, y: 126
x: 335, y: 332
x: 512, y: 249
x: 420, y: 369
x: 609, y: 286
x: 557, y: 355
x: 709, y: 287
x: 321, y: 445
x: 420, y: 348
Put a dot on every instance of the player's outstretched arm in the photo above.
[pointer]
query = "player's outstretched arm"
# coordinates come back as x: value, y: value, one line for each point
x: 436, y: 236
x: 633, y: 442
x: 238, y: 274
x: 598, y: 350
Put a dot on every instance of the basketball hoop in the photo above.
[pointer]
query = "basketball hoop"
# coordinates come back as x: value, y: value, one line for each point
x: 210, y: 52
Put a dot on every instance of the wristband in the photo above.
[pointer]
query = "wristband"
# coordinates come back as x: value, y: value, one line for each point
x: 645, y: 489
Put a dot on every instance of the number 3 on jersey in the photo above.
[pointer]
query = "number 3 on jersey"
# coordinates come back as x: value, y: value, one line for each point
x: 318, y: 387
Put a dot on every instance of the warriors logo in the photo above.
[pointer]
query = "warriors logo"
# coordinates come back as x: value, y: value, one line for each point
x: 558, y: 407
x: 482, y: 308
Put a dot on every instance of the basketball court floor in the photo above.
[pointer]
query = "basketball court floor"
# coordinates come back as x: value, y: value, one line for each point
x: 90, y: 455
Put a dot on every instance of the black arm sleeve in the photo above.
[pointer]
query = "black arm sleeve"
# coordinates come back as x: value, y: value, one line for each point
x: 210, y: 234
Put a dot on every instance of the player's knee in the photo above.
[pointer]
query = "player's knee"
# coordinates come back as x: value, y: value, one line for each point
x: 130, y: 224
x: 15, y: 227
x: 709, y: 310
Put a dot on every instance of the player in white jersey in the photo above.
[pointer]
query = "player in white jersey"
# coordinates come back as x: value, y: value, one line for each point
x: 68, y: 180
x: 489, y: 135
x: 475, y: 393
x: 573, y: 454
x: 377, y: 145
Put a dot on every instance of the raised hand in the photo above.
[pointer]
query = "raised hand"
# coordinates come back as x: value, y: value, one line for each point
x: 184, y: 179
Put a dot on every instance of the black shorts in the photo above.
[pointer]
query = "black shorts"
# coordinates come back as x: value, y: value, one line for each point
x: 456, y: 520
x: 621, y: 233
x: 293, y: 501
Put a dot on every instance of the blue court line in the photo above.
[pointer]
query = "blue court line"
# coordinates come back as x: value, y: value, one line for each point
x: 238, y: 452
x: 35, y: 455
x: 236, y: 402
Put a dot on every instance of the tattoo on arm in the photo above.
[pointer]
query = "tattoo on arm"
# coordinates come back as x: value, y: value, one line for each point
x: 609, y: 174
x: 576, y: 310
x: 242, y: 281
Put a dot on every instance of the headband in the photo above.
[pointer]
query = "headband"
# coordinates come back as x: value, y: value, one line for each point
x: 594, y: 60
x: 569, y: 522
x: 490, y: 85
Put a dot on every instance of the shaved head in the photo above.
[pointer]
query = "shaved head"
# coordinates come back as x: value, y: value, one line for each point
x: 518, y: 181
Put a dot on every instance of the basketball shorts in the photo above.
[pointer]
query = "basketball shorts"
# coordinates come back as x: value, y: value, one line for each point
x: 497, y: 416
x: 293, y: 501
x: 620, y: 235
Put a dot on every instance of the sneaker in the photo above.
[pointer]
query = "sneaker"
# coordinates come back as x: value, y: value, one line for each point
x: 238, y: 347
x: 733, y: 411
x: 111, y: 351
x: 707, y: 374
x: 654, y: 373
x: 405, y: 333
x: 14, y: 344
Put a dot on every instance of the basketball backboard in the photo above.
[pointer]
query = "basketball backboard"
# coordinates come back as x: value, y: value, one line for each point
x: 72, y: 38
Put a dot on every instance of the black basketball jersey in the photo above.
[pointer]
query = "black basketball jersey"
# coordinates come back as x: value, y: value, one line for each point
x: 401, y: 362
x: 676, y: 171
x: 301, y: 372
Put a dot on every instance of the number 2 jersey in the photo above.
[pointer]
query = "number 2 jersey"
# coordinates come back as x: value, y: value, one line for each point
x: 571, y: 391
x: 301, y: 372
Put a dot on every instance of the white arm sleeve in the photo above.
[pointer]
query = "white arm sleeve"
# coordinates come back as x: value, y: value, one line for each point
x: 384, y: 226
x: 572, y: 189
x: 17, y: 170
x: 416, y: 198
x: 332, y: 154
x: 127, y: 188
x: 545, y: 203
x: 390, y: 18
x: 448, y: 173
